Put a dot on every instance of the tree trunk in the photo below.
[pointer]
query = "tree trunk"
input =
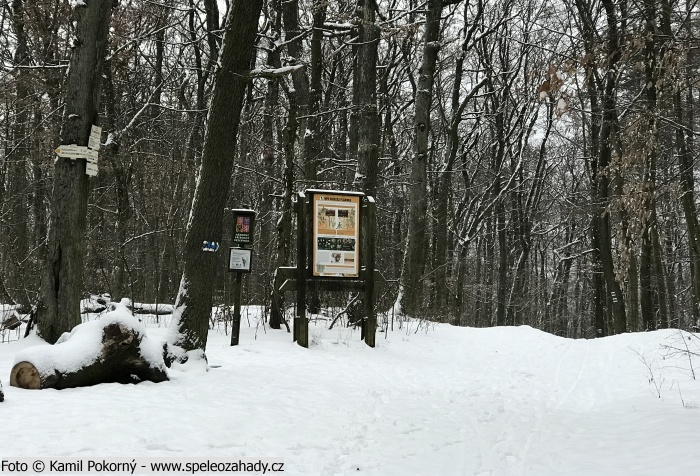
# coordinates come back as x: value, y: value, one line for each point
x: 673, y: 315
x: 609, y: 118
x: 16, y: 236
x: 366, y: 77
x: 490, y: 272
x: 633, y: 285
x: 651, y: 235
x: 312, y: 137
x: 59, y: 307
x: 479, y: 281
x: 646, y: 301
x: 415, y: 255
x: 659, y: 276
x: 598, y: 281
x: 502, y: 277
x: 194, y: 300
x: 590, y: 39
x: 270, y: 157
x: 284, y: 224
x: 312, y: 134
x: 683, y: 141
x: 444, y: 188
x: 555, y: 307
x: 461, y: 265
x: 293, y: 37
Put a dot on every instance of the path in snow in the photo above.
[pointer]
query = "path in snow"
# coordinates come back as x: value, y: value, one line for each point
x: 452, y: 401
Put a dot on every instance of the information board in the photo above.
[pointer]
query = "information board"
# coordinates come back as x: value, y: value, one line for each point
x: 243, y: 226
x: 336, y: 235
x: 239, y: 260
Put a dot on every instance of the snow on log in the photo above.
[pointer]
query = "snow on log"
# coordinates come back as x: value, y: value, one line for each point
x: 156, y: 309
x: 273, y: 73
x: 97, y: 304
x: 113, y: 348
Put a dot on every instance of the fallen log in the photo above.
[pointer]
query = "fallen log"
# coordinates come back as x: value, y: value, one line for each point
x: 113, y: 348
x: 137, y: 308
x: 155, y: 309
x: 11, y: 324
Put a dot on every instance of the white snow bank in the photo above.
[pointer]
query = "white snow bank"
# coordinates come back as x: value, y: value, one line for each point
x: 159, y: 308
x: 443, y: 401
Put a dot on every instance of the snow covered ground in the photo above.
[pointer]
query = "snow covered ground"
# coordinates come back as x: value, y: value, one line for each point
x: 439, y: 401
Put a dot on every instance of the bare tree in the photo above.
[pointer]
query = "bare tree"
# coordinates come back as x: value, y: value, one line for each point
x: 194, y: 300
x: 415, y: 256
x: 62, y: 279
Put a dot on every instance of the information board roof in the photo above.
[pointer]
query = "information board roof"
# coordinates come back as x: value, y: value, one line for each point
x: 334, y: 192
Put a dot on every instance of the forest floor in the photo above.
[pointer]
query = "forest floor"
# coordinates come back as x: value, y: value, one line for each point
x: 428, y: 400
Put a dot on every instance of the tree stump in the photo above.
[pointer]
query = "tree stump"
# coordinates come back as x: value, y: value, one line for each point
x: 112, y: 349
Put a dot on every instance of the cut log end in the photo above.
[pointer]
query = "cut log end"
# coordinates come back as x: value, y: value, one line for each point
x: 25, y: 375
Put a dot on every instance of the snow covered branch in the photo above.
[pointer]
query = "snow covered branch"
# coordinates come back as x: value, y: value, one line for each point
x: 272, y: 73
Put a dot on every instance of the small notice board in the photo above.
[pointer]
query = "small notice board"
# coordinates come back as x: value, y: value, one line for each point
x: 239, y: 260
x: 243, y: 226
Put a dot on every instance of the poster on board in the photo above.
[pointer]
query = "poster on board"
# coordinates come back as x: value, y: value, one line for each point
x: 336, y: 235
x: 239, y: 260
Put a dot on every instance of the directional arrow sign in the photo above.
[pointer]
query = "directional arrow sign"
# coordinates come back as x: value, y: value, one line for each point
x: 95, y: 136
x: 210, y: 246
x: 91, y: 155
x: 71, y: 151
x: 91, y: 169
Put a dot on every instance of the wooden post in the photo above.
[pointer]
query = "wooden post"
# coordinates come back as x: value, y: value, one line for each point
x: 236, y: 321
x: 369, y: 324
x: 276, y: 304
x: 301, y: 324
